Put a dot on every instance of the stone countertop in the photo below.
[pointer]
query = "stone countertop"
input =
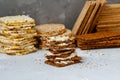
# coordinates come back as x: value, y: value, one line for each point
x: 98, y: 64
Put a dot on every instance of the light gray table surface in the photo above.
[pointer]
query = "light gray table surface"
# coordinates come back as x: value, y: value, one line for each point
x: 99, y: 64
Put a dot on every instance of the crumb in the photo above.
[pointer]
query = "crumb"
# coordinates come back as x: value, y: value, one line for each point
x: 37, y: 59
x: 87, y: 51
x: 102, y: 54
x: 106, y: 64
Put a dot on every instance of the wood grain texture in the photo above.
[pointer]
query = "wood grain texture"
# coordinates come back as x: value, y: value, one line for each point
x: 91, y: 19
x: 81, y: 18
x: 83, y: 25
x: 103, y: 2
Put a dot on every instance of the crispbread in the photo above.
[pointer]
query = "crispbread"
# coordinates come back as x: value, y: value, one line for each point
x: 116, y: 41
x: 91, y: 13
x: 47, y: 41
x: 81, y: 18
x: 17, y: 37
x: 115, y: 27
x: 93, y: 37
x: 111, y: 6
x: 65, y: 34
x: 16, y: 47
x: 14, y: 52
x: 99, y: 10
x: 107, y: 39
x: 18, y: 52
x: 60, y: 38
x: 60, y: 42
x: 17, y: 20
x: 2, y: 38
x: 56, y: 63
x: 88, y: 28
x: 8, y: 28
x: 61, y: 47
x: 92, y: 4
x: 109, y: 18
x: 30, y: 31
x: 111, y: 11
x: 27, y: 26
x: 98, y: 46
x: 50, y: 29
x: 87, y: 19
x: 58, y: 56
x: 108, y: 26
x: 20, y: 43
x: 62, y: 51
x: 109, y: 22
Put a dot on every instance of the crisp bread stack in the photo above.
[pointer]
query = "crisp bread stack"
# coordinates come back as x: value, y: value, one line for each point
x: 60, y: 44
x: 17, y: 35
x: 86, y: 21
x: 46, y: 30
x: 97, y: 40
x: 109, y: 19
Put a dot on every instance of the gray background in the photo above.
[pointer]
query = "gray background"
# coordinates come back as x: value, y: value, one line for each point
x: 46, y: 11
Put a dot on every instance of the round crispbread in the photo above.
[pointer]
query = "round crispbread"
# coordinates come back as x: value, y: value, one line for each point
x: 17, y: 20
x: 67, y: 33
x: 50, y: 29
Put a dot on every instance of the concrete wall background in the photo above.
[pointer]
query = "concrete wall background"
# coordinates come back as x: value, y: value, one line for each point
x: 46, y: 11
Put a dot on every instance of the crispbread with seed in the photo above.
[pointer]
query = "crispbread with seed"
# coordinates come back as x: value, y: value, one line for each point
x: 50, y: 29
x: 86, y: 47
x: 91, y: 16
x: 56, y: 63
x: 85, y: 20
x: 17, y: 20
x: 81, y: 17
x: 57, y: 55
x: 102, y: 4
x: 99, y: 36
x: 62, y: 51
x: 61, y: 47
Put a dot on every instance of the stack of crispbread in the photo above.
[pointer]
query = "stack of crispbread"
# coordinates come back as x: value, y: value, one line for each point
x: 86, y: 21
x: 17, y: 35
x: 106, y: 39
x: 60, y: 44
x: 109, y: 19
x: 46, y: 30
